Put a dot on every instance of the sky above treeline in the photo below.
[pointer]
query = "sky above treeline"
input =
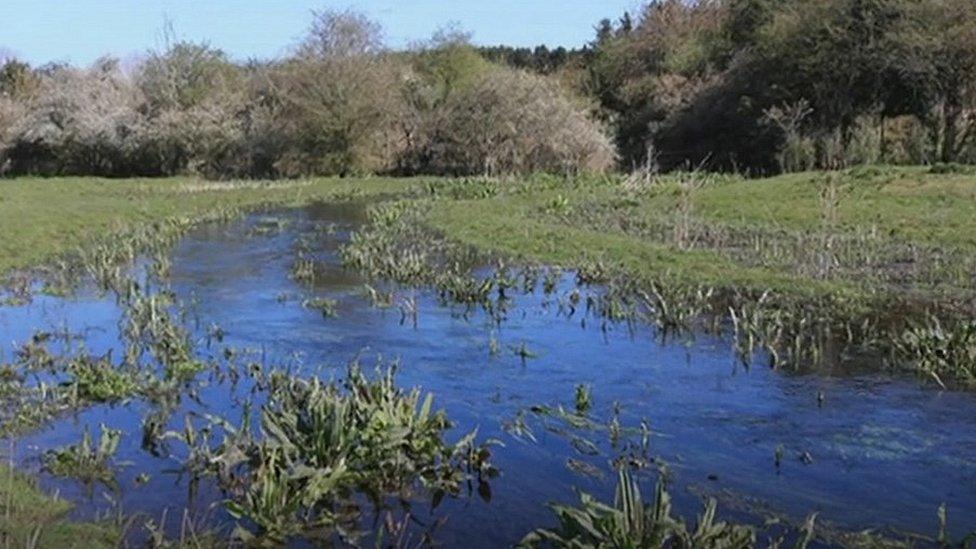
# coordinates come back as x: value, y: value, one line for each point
x: 80, y: 31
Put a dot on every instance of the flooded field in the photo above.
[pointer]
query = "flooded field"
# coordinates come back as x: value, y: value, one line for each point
x: 864, y: 451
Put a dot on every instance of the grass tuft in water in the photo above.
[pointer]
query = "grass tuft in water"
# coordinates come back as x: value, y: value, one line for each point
x: 100, y: 381
x: 86, y: 461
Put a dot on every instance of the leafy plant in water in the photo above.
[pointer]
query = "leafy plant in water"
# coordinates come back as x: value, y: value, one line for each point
x: 631, y: 523
x: 149, y: 325
x: 303, y: 270
x: 328, y: 307
x: 324, y: 442
x: 34, y: 355
x: 583, y: 402
x: 184, y: 371
x: 100, y: 380
x: 945, y: 353
x: 86, y: 461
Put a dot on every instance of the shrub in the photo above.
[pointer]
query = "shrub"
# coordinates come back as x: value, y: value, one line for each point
x: 510, y: 121
x: 342, y: 104
x: 81, y: 121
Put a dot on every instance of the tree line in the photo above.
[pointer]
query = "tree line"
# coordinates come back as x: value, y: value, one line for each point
x: 754, y: 86
x: 342, y: 103
x: 770, y: 85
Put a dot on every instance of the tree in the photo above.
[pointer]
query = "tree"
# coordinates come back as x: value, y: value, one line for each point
x: 949, y: 43
x: 645, y: 77
x: 338, y: 98
x: 80, y: 122
x: 847, y: 57
x: 18, y: 86
x: 193, y: 98
x: 17, y: 80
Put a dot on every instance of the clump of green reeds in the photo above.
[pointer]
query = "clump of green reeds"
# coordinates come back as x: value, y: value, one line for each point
x: 944, y: 352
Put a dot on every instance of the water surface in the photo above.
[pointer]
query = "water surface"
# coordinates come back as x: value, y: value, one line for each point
x: 875, y: 452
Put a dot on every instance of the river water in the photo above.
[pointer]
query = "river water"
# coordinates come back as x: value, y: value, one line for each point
x: 873, y: 452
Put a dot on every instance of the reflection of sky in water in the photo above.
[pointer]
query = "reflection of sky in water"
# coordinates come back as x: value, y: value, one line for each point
x: 884, y: 452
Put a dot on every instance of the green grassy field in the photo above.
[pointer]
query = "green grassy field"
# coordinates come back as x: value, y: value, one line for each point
x: 42, y: 218
x: 767, y: 226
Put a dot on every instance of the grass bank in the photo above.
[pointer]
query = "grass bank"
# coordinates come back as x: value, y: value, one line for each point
x: 30, y: 518
x: 41, y: 219
x: 886, y: 229
x: 736, y: 232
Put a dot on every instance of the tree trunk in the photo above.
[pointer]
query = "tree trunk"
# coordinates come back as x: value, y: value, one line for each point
x: 951, y: 111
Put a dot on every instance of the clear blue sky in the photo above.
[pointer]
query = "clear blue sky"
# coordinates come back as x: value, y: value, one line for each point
x: 78, y: 31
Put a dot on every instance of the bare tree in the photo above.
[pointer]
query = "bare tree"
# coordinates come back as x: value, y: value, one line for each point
x: 79, y: 121
x: 796, y: 153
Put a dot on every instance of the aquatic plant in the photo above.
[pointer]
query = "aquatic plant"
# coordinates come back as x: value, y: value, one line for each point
x: 320, y: 443
x: 675, y: 308
x: 86, y: 461
x: 629, y: 522
x: 328, y: 307
x: 34, y: 356
x: 523, y: 352
x: 303, y: 269
x: 184, y: 371
x: 583, y: 401
x: 268, y: 225
x: 100, y: 380
x: 494, y: 347
x: 377, y: 298
x: 944, y: 353
x: 148, y: 325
